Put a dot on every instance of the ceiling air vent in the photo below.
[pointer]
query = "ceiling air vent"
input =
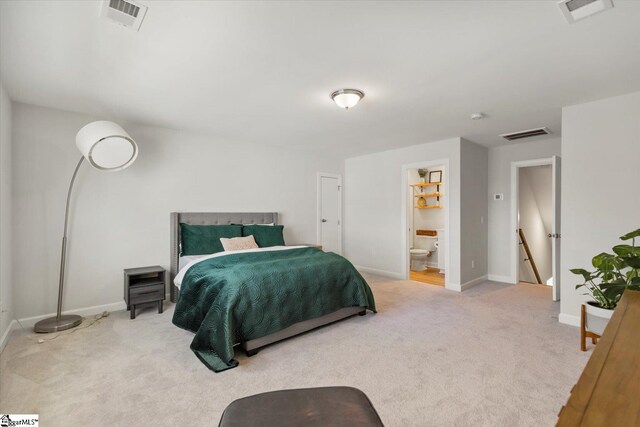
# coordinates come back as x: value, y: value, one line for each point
x: 575, y: 10
x: 526, y: 134
x: 127, y: 13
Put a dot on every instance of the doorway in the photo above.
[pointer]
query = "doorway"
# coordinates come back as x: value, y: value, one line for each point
x: 426, y: 222
x: 329, y: 218
x: 536, y: 223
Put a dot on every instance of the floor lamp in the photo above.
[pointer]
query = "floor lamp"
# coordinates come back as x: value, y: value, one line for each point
x: 107, y: 147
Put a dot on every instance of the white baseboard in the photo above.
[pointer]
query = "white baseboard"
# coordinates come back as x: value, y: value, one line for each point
x: 569, y: 319
x: 498, y: 278
x: 28, y: 322
x: 390, y: 274
x: 466, y: 285
x: 453, y: 287
x: 7, y: 334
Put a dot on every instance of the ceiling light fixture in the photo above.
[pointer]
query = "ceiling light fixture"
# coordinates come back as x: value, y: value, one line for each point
x: 347, y: 98
x: 477, y: 116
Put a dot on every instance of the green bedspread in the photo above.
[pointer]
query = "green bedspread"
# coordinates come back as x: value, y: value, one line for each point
x: 244, y: 296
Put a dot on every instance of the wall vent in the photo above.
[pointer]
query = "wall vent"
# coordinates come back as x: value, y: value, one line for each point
x: 127, y: 13
x: 575, y: 10
x: 530, y: 133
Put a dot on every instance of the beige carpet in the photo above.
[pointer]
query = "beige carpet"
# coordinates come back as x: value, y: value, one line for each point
x: 494, y: 355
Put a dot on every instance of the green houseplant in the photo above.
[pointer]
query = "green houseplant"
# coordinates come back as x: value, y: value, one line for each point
x: 613, y: 274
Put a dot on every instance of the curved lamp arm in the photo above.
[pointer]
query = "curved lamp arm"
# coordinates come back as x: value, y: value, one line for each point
x: 64, y: 239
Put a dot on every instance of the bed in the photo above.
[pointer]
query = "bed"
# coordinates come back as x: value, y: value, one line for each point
x: 257, y: 297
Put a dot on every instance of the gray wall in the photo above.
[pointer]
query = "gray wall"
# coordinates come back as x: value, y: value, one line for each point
x: 6, y: 249
x: 121, y: 219
x: 473, y: 211
x: 600, y: 176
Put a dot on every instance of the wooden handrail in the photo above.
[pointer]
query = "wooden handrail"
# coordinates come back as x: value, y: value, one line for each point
x: 523, y: 240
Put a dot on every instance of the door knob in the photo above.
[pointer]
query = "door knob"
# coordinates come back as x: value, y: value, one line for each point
x: 549, y: 235
x: 324, y: 220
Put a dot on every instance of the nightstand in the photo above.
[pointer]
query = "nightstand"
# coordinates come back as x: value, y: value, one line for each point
x: 144, y: 285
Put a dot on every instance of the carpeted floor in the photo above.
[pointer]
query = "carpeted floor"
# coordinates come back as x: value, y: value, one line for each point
x: 494, y: 355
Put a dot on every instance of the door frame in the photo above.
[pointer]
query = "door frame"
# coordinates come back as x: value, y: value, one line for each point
x: 406, y: 257
x: 321, y: 175
x: 555, y: 209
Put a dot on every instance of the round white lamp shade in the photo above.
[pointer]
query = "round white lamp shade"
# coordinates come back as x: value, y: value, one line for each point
x: 106, y: 146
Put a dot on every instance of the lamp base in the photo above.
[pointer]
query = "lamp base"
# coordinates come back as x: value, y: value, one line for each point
x: 53, y: 324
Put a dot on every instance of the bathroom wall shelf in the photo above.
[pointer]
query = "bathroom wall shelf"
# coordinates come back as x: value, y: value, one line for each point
x: 428, y: 195
x: 427, y: 184
x: 421, y: 196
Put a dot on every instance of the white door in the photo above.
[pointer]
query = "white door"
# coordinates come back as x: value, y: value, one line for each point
x: 555, y: 233
x: 330, y: 213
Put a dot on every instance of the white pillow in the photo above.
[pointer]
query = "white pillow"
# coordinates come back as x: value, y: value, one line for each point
x: 238, y: 243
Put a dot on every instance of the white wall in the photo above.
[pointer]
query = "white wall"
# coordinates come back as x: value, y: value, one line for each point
x: 500, y: 233
x: 600, y: 175
x: 373, y: 206
x: 6, y: 297
x: 535, y: 216
x: 121, y: 219
x: 473, y: 211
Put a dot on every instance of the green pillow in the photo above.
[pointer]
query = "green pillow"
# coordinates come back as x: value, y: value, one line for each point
x: 205, y: 239
x: 265, y: 235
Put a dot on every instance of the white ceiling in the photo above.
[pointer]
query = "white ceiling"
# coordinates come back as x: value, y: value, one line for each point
x: 262, y: 72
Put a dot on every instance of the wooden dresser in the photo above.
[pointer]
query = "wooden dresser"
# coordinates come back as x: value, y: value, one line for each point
x: 608, y: 391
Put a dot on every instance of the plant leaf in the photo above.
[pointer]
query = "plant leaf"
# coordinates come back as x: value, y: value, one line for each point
x: 633, y: 262
x: 626, y: 250
x: 604, y: 261
x: 586, y: 275
x: 634, y: 287
x: 631, y: 235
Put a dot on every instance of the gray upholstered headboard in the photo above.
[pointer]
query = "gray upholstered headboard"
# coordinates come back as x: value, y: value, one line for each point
x: 208, y: 218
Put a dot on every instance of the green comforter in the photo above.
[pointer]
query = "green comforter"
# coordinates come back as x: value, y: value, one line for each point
x: 244, y: 296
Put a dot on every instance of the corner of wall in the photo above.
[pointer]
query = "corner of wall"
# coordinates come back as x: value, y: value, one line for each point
x: 7, y: 321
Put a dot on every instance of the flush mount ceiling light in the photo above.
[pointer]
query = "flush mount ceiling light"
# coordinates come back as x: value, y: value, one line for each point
x: 347, y: 98
x: 477, y: 116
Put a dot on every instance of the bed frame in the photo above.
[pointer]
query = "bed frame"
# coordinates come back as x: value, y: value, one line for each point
x: 225, y: 218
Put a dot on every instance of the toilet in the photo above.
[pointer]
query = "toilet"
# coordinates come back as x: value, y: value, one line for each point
x: 422, y: 247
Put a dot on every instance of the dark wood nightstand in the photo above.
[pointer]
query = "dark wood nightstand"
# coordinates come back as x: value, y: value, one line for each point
x: 144, y: 285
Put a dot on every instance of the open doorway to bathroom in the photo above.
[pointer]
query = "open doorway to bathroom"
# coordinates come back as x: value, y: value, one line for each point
x: 536, y: 222
x: 426, y: 209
